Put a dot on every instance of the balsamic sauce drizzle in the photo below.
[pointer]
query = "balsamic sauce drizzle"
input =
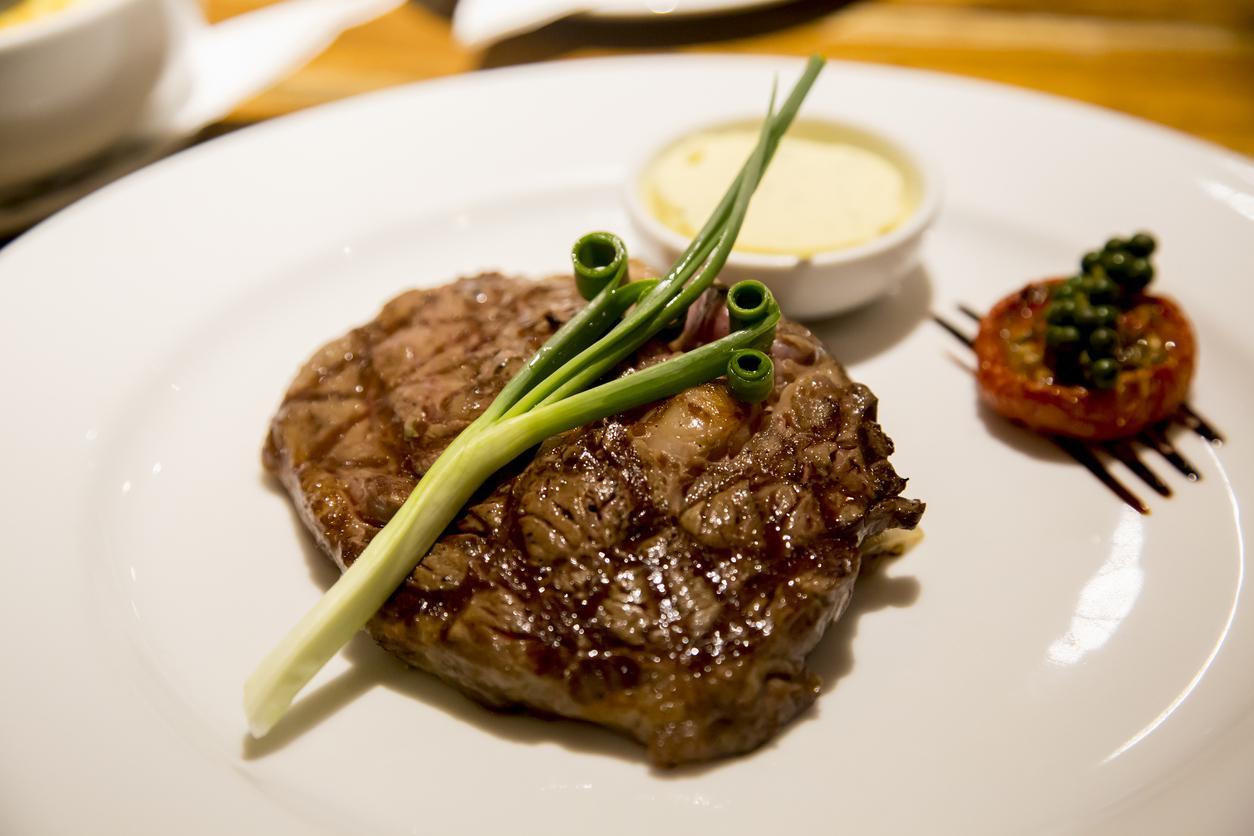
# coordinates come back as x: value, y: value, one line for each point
x: 1123, y: 450
x: 953, y: 330
x: 1200, y: 425
x: 1077, y: 450
x: 1156, y: 438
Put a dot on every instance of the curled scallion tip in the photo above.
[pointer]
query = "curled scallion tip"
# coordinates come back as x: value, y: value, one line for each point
x: 750, y: 375
x: 748, y: 303
x: 599, y: 258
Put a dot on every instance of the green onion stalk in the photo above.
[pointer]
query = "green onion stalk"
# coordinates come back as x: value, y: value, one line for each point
x: 558, y: 389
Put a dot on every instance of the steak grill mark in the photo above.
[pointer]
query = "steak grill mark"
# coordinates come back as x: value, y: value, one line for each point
x: 663, y: 572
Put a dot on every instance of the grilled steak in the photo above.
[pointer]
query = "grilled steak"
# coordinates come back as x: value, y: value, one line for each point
x: 662, y: 572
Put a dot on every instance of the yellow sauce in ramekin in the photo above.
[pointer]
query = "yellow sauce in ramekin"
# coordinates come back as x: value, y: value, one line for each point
x: 27, y: 10
x: 825, y: 189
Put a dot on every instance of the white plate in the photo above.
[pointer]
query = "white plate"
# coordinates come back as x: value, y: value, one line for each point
x: 1046, y: 661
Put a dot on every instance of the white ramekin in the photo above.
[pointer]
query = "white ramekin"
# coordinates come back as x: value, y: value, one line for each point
x: 826, y: 283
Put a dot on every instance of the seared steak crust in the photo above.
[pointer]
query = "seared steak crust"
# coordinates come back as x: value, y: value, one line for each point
x: 663, y: 572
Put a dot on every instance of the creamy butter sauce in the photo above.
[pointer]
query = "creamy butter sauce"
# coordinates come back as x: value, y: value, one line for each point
x: 823, y: 191
x: 28, y: 10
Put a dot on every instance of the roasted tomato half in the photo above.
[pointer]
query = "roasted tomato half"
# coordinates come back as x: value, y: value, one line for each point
x: 1155, y: 366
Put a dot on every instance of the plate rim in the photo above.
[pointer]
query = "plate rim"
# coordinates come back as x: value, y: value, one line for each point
x: 489, y: 75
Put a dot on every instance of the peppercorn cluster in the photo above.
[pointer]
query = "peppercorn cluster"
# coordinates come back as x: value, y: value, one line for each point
x: 1082, y: 321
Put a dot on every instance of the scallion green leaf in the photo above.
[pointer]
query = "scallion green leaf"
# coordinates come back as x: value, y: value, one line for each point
x: 750, y: 375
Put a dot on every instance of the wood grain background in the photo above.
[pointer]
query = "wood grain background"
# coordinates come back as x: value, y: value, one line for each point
x: 1185, y: 63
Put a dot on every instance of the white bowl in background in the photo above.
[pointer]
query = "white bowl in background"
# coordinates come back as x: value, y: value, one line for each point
x: 206, y: 71
x: 76, y: 81
x: 827, y: 283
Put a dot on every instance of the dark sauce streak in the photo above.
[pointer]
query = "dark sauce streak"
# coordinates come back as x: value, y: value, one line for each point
x: 971, y: 313
x: 952, y: 329
x: 1124, y: 452
x: 1199, y: 425
x: 1156, y: 438
x: 1085, y: 456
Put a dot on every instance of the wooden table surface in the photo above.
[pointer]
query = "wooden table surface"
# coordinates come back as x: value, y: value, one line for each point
x: 1185, y: 63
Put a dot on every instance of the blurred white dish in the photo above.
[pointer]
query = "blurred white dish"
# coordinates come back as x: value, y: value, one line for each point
x: 481, y: 23
x: 641, y: 9
x: 75, y: 81
x: 811, y: 286
x: 106, y: 86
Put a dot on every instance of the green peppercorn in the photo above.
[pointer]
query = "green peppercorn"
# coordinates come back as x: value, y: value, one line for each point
x: 1091, y: 259
x: 1062, y: 338
x: 1142, y: 244
x: 1104, y: 373
x: 1116, y: 245
x: 1065, y: 290
x: 1102, y: 291
x: 1138, y: 274
x: 1103, y: 342
x: 1062, y: 312
x: 1097, y: 316
x: 1115, y: 264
